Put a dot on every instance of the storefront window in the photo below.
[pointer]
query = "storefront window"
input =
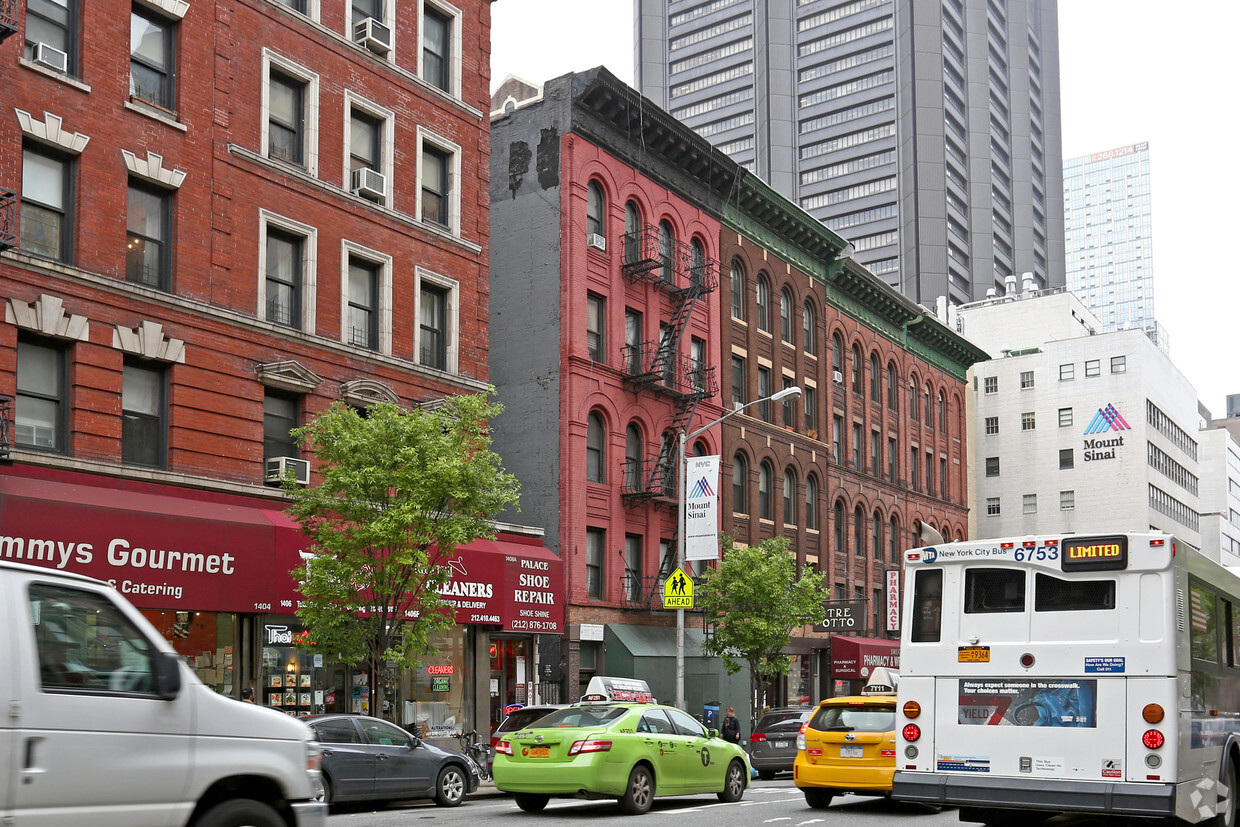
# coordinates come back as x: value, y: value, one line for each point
x: 207, y: 641
x: 437, y: 698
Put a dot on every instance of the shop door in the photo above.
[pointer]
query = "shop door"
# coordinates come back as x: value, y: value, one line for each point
x: 511, y: 672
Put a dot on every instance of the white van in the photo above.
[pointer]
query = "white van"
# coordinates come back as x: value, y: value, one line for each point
x: 104, y: 724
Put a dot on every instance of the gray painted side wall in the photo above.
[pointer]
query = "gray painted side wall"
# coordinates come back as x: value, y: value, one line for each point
x: 525, y: 309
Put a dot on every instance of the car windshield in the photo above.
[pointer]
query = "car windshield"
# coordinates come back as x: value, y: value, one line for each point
x: 864, y: 718
x: 522, y: 718
x: 583, y: 716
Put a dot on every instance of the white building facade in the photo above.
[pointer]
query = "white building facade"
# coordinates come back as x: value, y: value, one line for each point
x: 1072, y: 430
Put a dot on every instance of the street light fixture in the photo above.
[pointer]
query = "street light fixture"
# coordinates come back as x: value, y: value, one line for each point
x: 682, y: 470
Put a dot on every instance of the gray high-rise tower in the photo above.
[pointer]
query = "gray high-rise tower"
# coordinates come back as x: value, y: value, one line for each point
x: 925, y: 132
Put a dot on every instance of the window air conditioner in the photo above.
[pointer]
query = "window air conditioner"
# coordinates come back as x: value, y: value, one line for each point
x: 838, y: 377
x: 278, y: 466
x: 373, y: 35
x: 596, y: 241
x: 369, y: 183
x: 51, y: 57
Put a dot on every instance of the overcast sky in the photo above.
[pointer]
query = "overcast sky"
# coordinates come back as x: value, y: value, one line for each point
x: 1131, y: 71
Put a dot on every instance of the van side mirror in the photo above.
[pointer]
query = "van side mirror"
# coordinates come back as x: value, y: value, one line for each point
x: 167, y: 675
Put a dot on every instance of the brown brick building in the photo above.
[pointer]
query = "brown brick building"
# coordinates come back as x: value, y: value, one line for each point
x: 256, y: 208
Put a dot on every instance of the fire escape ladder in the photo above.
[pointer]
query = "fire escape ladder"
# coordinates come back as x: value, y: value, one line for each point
x: 8, y: 211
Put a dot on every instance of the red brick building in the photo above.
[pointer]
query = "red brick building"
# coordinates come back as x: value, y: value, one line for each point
x: 258, y: 207
x: 598, y: 198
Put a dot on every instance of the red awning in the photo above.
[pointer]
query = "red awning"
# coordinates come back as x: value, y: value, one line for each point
x: 163, y: 547
x: 857, y: 657
x: 511, y: 581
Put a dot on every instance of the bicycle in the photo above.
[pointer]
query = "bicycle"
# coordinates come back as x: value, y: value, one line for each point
x: 476, y: 751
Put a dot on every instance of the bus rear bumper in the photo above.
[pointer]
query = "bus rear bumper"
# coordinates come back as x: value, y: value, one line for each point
x: 1058, y: 795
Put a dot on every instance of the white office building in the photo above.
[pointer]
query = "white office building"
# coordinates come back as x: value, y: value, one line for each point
x: 1075, y: 430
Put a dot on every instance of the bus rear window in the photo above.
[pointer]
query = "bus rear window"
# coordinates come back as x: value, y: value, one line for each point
x: 989, y: 591
x: 1051, y: 594
x: 927, y: 606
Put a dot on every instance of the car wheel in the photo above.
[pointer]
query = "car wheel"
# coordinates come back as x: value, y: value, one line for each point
x: 531, y: 802
x: 328, y: 792
x: 766, y: 775
x: 450, y: 788
x: 241, y: 812
x: 639, y: 794
x: 733, y: 783
x: 818, y: 799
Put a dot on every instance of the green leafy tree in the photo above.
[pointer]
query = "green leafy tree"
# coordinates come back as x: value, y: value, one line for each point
x: 755, y: 599
x: 400, y: 490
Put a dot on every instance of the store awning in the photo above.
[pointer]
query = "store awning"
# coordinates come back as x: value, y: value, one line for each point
x: 163, y: 547
x: 857, y: 657
x: 655, y: 641
x: 511, y: 581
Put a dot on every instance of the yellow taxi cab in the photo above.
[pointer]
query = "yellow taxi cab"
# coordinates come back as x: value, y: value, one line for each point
x: 849, y: 744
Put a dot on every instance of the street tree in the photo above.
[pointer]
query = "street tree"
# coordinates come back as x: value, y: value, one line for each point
x: 399, y: 491
x: 754, y: 599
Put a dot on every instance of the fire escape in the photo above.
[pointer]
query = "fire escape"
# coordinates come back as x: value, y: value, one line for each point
x: 685, y: 276
x: 8, y: 19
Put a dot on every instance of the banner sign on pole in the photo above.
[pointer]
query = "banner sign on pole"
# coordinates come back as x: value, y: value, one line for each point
x: 702, y: 508
x: 893, y: 601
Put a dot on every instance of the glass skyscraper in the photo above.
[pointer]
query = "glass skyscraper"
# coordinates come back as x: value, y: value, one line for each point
x: 927, y: 133
x: 1108, y: 237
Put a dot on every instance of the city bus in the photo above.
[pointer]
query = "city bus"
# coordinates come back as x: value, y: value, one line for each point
x: 1069, y: 674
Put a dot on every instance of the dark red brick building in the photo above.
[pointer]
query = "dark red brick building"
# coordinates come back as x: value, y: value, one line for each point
x: 255, y: 208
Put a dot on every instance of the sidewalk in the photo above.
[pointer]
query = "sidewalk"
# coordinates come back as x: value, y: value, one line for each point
x: 486, y: 789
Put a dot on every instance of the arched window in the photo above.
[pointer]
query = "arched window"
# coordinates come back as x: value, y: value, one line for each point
x: 837, y: 356
x: 764, y: 303
x: 667, y: 245
x: 785, y: 315
x: 876, y: 541
x: 893, y: 392
x: 811, y: 502
x: 912, y: 397
x: 632, y: 232
x: 893, y: 539
x: 859, y: 532
x: 740, y: 479
x: 697, y: 263
x: 633, y: 459
x: 809, y: 327
x: 942, y: 412
x: 856, y: 370
x: 927, y: 418
x: 876, y: 379
x: 738, y: 290
x: 764, y: 491
x: 594, y: 448
x: 790, y: 502
x: 839, y: 529
x: 595, y: 210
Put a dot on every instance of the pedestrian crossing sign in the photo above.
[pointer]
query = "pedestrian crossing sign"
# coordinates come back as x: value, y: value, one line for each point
x: 678, y: 591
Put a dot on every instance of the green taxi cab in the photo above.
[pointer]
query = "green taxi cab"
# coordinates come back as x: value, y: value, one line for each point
x: 849, y: 744
x: 629, y: 751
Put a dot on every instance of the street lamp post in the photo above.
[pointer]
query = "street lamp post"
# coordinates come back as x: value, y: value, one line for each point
x: 682, y: 470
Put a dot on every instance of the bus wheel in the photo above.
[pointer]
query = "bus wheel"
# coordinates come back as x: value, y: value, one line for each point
x: 1227, y: 795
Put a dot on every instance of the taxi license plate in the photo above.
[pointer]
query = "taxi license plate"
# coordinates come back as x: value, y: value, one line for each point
x: 540, y: 752
x: 781, y: 745
x: 973, y: 654
x: 852, y: 752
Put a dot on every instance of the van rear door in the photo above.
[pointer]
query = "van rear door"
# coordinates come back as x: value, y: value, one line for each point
x: 98, y: 746
x: 9, y: 657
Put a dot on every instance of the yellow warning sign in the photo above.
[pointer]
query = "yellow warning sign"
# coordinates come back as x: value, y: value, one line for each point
x: 678, y: 591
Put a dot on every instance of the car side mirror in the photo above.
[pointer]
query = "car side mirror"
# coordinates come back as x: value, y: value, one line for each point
x: 712, y: 733
x: 167, y: 675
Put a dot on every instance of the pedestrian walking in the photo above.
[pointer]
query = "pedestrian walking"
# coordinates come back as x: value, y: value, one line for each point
x: 247, y: 695
x: 731, y: 727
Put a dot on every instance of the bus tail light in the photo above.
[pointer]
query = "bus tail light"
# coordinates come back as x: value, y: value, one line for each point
x: 911, y: 732
x: 1152, y: 713
x: 1152, y: 739
x: 911, y: 709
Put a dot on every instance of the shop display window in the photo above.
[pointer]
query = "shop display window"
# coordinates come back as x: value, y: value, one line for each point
x: 437, y: 698
x: 207, y: 641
